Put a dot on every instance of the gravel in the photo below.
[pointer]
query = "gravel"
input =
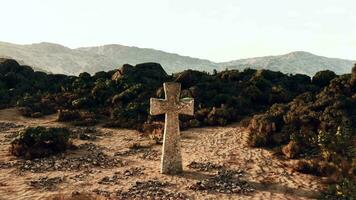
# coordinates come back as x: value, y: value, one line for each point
x: 150, y: 154
x: 150, y: 190
x: 5, y: 126
x: 128, y: 173
x: 225, y: 181
x: 102, y: 192
x: 146, y: 153
x: 86, y: 133
x: 94, y: 158
x: 46, y: 183
x: 205, y: 166
x: 109, y: 180
x: 7, y: 165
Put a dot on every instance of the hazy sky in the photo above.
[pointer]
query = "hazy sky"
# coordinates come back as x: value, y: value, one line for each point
x: 218, y: 30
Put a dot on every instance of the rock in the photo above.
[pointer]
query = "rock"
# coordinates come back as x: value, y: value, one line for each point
x: 124, y: 70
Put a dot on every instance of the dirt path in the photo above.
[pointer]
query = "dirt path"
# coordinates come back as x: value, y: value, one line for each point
x: 271, y: 178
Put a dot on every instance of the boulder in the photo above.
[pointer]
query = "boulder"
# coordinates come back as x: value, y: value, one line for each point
x: 124, y: 70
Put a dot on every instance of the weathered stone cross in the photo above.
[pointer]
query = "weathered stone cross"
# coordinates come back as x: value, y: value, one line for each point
x: 172, y: 106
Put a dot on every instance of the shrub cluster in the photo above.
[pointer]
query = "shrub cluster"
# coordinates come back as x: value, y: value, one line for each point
x: 122, y: 96
x: 320, y: 127
x: 37, y: 142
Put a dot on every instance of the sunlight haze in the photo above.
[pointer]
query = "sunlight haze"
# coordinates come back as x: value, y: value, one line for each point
x: 216, y: 30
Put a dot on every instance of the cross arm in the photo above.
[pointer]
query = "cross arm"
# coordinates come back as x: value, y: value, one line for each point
x: 157, y: 106
x: 186, y: 106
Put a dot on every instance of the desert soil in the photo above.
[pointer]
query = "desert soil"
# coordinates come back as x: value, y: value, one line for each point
x: 263, y: 175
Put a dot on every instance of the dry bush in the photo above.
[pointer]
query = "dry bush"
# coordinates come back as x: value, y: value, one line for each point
x: 37, y: 142
x: 291, y: 150
x: 154, y: 131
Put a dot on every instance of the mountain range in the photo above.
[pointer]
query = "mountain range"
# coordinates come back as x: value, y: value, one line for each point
x: 56, y: 58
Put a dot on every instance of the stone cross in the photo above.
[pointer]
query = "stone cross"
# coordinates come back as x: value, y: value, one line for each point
x: 171, y: 106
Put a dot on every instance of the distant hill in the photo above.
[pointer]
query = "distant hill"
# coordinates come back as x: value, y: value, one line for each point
x: 60, y: 59
x: 295, y: 62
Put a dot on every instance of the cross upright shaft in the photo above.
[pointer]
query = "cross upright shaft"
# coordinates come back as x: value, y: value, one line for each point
x: 171, y: 106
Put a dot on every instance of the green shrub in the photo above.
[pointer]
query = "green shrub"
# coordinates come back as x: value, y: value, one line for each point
x: 323, y: 78
x: 37, y: 142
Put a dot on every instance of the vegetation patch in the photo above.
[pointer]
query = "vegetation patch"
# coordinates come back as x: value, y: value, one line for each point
x: 319, y: 127
x: 38, y: 142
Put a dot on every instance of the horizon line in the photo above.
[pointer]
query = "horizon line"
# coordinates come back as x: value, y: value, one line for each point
x: 149, y: 48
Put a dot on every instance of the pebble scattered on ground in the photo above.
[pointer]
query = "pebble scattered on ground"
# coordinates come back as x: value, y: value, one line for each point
x: 131, y: 151
x: 86, y: 133
x: 128, y: 173
x: 93, y: 158
x: 134, y: 171
x: 225, y: 181
x: 9, y: 134
x: 205, y: 166
x: 151, y: 155
x: 102, y: 192
x: 82, y: 176
x: 146, y: 153
x: 46, y: 183
x: 107, y: 180
x: 7, y: 165
x: 5, y: 126
x: 150, y: 190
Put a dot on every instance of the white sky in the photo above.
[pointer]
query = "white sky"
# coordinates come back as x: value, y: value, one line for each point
x: 218, y: 30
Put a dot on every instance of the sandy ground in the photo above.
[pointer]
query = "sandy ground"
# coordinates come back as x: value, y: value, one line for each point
x: 272, y: 178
